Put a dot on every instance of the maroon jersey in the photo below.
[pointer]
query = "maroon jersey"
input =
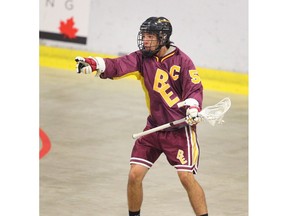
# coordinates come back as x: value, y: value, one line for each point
x: 166, y: 81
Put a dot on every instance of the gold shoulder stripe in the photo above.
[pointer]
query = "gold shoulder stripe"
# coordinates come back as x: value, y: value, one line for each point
x: 171, y: 54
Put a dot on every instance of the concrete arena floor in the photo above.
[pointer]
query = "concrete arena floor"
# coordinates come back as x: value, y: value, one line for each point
x: 90, y: 122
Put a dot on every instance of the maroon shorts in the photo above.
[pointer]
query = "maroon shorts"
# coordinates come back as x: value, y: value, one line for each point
x: 180, y: 147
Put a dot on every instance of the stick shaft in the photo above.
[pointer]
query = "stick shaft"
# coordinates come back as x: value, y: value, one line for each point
x: 161, y: 127
x: 208, y: 113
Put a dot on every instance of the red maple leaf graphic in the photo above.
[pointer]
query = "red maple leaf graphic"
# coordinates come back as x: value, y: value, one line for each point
x: 67, y: 28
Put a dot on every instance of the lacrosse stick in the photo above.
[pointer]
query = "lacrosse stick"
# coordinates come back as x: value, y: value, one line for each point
x: 212, y: 114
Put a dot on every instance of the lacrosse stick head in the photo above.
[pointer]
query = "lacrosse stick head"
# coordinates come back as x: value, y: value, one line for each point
x: 214, y: 114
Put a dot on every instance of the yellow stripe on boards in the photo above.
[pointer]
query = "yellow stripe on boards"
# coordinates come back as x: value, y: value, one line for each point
x: 224, y: 81
x: 216, y: 80
x: 63, y: 58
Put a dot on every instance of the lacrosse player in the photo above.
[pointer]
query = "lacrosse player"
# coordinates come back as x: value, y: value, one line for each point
x: 168, y: 77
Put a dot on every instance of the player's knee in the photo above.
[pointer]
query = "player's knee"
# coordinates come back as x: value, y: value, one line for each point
x: 187, y: 179
x: 136, y: 176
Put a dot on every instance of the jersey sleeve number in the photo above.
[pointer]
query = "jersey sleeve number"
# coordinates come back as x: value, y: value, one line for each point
x: 195, y: 78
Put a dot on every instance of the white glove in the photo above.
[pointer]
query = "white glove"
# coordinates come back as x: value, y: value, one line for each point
x: 90, y: 64
x: 192, y: 116
x: 85, y: 65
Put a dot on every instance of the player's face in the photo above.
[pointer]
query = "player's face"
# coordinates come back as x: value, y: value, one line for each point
x: 150, y: 41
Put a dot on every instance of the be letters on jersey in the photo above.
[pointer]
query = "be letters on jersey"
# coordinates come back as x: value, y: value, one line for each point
x: 163, y: 87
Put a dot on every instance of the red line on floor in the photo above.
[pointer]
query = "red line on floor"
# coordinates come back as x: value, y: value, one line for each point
x: 46, y: 144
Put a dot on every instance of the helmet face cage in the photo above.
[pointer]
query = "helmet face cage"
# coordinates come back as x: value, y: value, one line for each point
x: 147, y: 51
x: 159, y: 26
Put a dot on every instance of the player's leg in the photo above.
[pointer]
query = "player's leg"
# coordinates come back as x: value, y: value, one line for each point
x: 143, y: 155
x: 182, y: 151
x: 195, y: 192
x: 134, y: 187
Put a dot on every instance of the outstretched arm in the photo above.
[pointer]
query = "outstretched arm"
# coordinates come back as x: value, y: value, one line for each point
x: 110, y: 67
